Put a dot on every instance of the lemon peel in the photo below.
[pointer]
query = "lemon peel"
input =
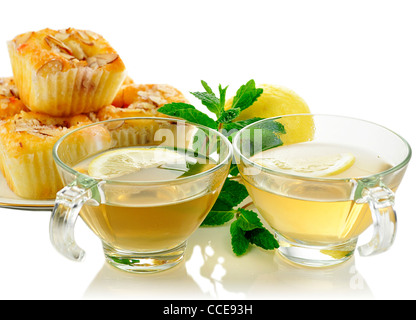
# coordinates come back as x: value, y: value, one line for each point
x: 274, y: 101
x: 279, y: 101
x: 336, y: 254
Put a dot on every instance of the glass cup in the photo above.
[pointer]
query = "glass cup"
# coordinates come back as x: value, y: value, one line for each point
x: 318, y: 215
x: 143, y: 223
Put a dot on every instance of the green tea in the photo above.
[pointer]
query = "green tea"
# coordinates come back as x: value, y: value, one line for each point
x: 310, y: 211
x: 158, y: 217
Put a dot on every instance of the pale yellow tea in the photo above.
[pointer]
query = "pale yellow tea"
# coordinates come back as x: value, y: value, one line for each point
x: 308, y: 210
x: 153, y: 217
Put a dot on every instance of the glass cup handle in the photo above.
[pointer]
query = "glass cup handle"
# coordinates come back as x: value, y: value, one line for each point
x: 68, y: 204
x: 381, y: 202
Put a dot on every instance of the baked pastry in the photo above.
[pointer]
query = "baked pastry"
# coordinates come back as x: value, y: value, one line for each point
x: 8, y: 87
x: 10, y: 103
x: 65, y: 72
x: 140, y: 100
x: 26, y: 143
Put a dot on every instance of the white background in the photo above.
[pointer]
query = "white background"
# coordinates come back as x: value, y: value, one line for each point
x: 355, y: 58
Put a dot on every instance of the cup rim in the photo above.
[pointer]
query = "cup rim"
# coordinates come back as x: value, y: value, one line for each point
x: 67, y: 168
x: 400, y: 165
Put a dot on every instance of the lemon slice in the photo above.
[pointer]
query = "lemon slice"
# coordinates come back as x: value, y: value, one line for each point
x: 119, y: 162
x: 316, y: 166
x: 336, y: 254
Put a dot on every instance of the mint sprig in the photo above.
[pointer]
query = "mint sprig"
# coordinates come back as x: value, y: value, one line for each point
x: 249, y: 229
x: 210, y: 100
x: 225, y: 208
x: 246, y: 228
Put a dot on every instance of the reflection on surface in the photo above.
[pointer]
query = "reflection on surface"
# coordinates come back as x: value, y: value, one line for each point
x: 211, y: 271
x: 111, y: 283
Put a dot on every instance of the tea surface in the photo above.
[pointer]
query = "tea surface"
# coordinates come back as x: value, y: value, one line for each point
x: 364, y: 162
x: 155, y: 217
x: 316, y: 212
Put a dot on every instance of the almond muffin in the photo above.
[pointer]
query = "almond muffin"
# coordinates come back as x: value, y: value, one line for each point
x: 26, y: 143
x: 65, y: 72
x: 138, y: 100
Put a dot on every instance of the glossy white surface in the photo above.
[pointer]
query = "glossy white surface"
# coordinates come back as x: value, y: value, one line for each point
x: 354, y: 58
x: 32, y: 269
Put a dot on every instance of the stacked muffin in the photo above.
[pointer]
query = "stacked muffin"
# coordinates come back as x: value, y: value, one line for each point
x: 62, y: 80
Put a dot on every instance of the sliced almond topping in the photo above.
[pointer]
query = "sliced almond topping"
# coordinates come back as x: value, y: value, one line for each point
x: 84, y: 38
x: 36, y: 128
x: 101, y: 60
x: 14, y: 92
x: 67, y: 56
x: 92, y: 62
x: 92, y: 35
x: 8, y: 88
x: 51, y: 66
x: 39, y: 133
x: 77, y: 50
x: 57, y: 44
x: 114, y: 125
x: 62, y: 35
x: 49, y: 132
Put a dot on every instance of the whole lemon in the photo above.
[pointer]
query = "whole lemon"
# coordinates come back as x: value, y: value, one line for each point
x: 278, y: 101
x: 274, y: 101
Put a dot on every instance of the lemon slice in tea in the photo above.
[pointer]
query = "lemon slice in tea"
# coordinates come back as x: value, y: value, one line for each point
x: 314, y: 166
x: 123, y: 161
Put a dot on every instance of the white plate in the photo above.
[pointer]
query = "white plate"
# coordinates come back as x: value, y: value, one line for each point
x: 11, y: 201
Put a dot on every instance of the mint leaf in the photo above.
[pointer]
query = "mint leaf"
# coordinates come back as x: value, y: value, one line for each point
x: 238, y: 125
x: 208, y: 98
x: 249, y: 228
x: 222, y: 205
x: 271, y: 132
x: 244, y: 98
x: 246, y: 95
x: 228, y: 116
x: 239, y: 242
x: 187, y: 112
x: 221, y: 212
x: 248, y: 220
x: 217, y: 218
x: 262, y: 238
x: 222, y: 97
x: 234, y: 170
x: 232, y: 193
x: 231, y: 129
x: 264, y: 136
x: 206, y: 87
